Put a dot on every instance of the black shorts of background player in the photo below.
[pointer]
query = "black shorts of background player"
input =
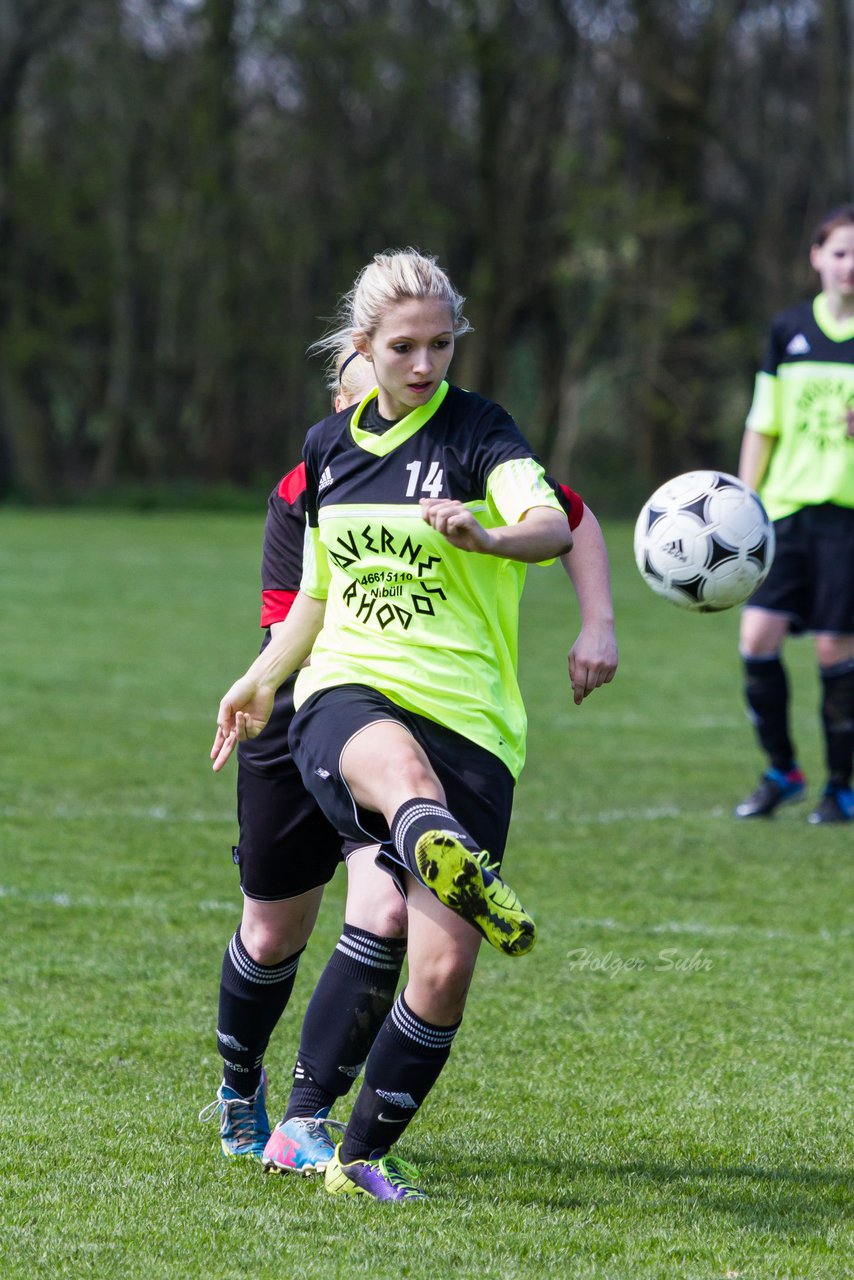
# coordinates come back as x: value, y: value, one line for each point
x: 798, y: 451
x: 423, y: 504
x: 287, y: 852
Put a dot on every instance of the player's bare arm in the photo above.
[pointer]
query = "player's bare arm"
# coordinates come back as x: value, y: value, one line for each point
x: 541, y: 534
x: 245, y: 709
x: 756, y: 450
x: 593, y: 658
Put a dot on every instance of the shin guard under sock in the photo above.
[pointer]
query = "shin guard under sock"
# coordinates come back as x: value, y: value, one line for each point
x: 349, y: 1005
x: 767, y: 692
x: 402, y: 1067
x: 837, y: 717
x: 252, y: 999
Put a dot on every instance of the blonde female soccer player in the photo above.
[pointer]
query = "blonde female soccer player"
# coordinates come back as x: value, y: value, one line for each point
x: 424, y: 507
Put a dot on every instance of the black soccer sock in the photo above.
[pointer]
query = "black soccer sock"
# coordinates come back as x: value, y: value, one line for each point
x: 349, y: 1005
x: 767, y: 692
x: 402, y: 1067
x: 837, y: 717
x: 413, y: 818
x: 252, y: 999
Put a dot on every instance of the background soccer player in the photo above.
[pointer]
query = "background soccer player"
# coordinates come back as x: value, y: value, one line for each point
x: 423, y: 508
x: 798, y: 450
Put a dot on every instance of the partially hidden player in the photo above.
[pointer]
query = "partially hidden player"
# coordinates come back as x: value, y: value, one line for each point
x: 287, y: 852
x: 798, y: 451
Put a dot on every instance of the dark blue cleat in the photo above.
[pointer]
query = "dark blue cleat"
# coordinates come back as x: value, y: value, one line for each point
x: 836, y: 805
x: 775, y: 788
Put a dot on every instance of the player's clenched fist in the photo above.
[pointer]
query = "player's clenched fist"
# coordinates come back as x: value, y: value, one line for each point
x: 456, y: 523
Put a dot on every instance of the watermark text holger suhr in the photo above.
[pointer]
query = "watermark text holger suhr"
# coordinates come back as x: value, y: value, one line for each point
x: 668, y: 960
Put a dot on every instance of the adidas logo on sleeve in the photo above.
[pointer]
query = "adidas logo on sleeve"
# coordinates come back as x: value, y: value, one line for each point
x: 798, y: 346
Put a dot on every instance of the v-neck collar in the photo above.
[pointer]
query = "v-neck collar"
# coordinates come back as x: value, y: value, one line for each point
x: 384, y: 443
x: 836, y: 330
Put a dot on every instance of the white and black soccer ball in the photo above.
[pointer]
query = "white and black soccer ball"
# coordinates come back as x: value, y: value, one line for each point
x: 704, y: 541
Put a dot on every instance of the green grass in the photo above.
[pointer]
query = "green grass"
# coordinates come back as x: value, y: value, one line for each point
x: 662, y: 1089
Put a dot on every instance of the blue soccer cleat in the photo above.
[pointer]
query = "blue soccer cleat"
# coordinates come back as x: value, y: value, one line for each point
x: 836, y: 805
x: 244, y: 1128
x: 302, y: 1144
x: 775, y: 788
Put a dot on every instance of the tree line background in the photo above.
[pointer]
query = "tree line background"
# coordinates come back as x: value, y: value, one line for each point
x: 624, y: 191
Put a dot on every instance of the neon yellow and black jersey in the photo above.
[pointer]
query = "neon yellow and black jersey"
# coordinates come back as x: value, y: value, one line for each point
x: 431, y: 627
x: 804, y: 393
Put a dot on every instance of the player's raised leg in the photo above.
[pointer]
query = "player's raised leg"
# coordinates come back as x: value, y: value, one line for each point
x: 387, y: 771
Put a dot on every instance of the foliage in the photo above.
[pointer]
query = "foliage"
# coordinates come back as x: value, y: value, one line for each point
x: 624, y: 190
x: 661, y: 1089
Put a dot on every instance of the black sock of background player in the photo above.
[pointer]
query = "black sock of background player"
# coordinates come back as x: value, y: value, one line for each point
x: 252, y: 999
x: 405, y: 1062
x: 414, y: 818
x: 349, y: 1005
x: 767, y: 692
x: 837, y: 717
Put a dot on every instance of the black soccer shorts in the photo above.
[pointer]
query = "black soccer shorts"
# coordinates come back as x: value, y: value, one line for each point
x: 478, y: 786
x: 812, y: 578
x: 286, y: 846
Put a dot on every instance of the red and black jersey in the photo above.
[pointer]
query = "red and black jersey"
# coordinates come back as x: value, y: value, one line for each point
x: 281, y: 558
x: 572, y: 502
x: 284, y: 532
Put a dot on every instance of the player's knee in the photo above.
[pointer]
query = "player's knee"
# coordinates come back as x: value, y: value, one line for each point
x: 440, y: 986
x: 268, y: 944
x: 374, y: 901
x: 391, y: 917
x: 383, y: 916
x: 416, y: 778
x: 831, y: 650
x: 758, y: 644
x: 761, y: 634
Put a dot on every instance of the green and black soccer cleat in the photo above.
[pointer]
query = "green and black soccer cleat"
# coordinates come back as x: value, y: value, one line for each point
x: 467, y: 884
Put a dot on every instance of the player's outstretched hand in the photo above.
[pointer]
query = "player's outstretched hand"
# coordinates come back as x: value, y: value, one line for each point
x: 242, y: 714
x: 456, y: 523
x: 592, y: 660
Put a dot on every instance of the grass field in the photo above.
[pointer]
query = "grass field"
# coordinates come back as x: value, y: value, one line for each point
x: 662, y: 1089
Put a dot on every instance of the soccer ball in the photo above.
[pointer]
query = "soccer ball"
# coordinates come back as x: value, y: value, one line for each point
x: 704, y: 541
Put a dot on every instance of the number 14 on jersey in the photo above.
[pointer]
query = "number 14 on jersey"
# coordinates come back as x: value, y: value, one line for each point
x: 431, y: 485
